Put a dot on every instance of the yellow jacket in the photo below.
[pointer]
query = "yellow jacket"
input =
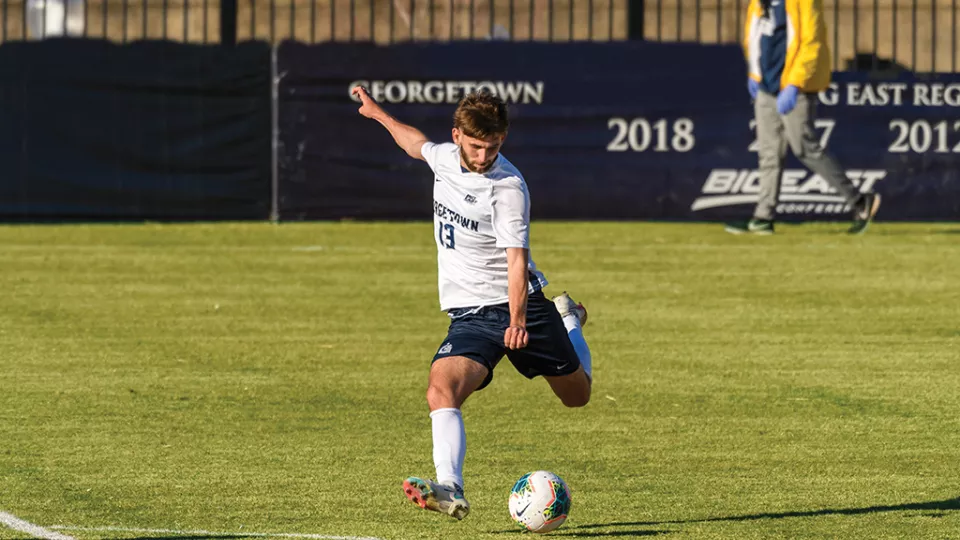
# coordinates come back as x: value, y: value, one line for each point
x: 807, y: 65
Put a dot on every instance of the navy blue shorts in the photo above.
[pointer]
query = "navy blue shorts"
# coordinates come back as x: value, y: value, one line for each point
x: 479, y: 337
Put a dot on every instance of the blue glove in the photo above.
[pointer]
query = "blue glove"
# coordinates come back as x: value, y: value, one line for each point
x: 787, y: 99
x: 753, y: 87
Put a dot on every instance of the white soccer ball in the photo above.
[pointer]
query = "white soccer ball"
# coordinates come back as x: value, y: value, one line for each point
x: 540, y: 501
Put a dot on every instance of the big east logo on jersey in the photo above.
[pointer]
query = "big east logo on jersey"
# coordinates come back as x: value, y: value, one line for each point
x: 801, y: 192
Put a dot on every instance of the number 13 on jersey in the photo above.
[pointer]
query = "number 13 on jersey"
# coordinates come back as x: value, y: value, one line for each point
x: 445, y: 235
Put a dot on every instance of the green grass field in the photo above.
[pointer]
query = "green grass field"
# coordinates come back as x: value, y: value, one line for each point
x: 260, y: 378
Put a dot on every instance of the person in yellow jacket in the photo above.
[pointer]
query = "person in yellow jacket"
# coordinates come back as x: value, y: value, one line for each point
x: 788, y: 60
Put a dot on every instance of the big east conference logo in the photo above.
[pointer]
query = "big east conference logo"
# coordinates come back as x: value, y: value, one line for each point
x: 801, y: 192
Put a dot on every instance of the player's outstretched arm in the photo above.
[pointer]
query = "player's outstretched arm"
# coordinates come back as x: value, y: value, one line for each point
x: 407, y: 137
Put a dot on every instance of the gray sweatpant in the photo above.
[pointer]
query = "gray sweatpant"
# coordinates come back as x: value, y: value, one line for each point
x: 774, y: 132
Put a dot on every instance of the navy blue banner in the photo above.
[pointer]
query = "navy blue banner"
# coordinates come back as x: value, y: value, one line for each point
x: 92, y: 130
x: 603, y: 131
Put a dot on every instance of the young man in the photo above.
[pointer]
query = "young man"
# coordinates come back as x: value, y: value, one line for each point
x: 489, y: 286
x: 789, y: 63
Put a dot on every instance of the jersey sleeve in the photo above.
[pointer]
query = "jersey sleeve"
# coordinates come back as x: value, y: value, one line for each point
x: 432, y: 153
x: 511, y: 215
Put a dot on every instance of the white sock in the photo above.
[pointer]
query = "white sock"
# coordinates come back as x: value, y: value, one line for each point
x: 449, y: 445
x: 572, y: 324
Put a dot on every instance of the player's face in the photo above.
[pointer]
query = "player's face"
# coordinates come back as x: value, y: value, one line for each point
x: 477, y: 155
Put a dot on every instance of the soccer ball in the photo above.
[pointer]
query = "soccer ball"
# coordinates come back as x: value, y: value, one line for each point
x: 540, y: 501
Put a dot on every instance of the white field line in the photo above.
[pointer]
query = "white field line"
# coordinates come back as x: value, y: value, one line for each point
x: 208, y: 533
x: 35, y: 531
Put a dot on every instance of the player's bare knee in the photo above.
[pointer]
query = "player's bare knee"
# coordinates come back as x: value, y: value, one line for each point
x: 576, y: 400
x: 579, y: 398
x: 440, y: 397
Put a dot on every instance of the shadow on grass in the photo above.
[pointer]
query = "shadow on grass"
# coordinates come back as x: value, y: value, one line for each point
x: 580, y: 532
x: 941, y: 506
x: 885, y: 232
x: 577, y: 533
x: 583, y: 531
x: 197, y: 537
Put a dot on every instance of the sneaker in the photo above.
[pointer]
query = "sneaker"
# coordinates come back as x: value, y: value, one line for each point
x: 566, y: 305
x: 444, y: 498
x: 754, y: 226
x: 863, y: 212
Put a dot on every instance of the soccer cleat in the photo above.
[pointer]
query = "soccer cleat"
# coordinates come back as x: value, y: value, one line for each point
x: 761, y: 227
x: 566, y: 305
x: 863, y: 212
x: 444, y: 498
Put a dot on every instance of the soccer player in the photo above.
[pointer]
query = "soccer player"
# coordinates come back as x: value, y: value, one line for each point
x: 789, y: 62
x: 489, y: 286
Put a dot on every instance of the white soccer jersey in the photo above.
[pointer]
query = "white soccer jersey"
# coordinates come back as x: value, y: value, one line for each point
x: 476, y: 217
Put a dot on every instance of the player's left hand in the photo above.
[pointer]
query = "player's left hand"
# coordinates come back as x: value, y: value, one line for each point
x: 787, y: 99
x: 516, y: 337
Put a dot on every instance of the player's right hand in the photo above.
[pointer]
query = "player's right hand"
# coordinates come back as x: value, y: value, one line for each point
x: 368, y: 107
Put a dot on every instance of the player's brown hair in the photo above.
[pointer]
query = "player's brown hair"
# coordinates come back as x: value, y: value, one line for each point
x: 481, y: 115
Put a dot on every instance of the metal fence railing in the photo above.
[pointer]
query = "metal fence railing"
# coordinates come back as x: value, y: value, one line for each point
x: 864, y: 34
x: 116, y: 20
x: 390, y: 21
